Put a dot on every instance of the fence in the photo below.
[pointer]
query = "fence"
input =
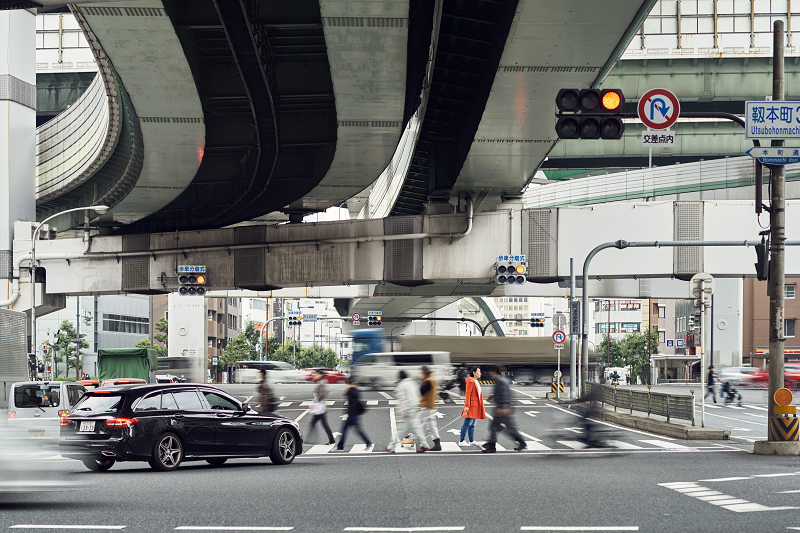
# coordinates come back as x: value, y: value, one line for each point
x: 657, y: 403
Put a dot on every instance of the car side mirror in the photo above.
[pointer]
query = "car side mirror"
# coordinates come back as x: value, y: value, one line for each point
x: 245, y: 408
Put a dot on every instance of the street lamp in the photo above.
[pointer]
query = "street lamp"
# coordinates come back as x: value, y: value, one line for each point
x: 100, y: 209
x: 391, y: 335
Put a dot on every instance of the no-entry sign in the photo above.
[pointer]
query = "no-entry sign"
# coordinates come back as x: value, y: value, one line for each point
x: 658, y: 109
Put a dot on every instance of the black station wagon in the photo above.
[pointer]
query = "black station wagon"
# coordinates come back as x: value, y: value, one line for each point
x: 165, y: 424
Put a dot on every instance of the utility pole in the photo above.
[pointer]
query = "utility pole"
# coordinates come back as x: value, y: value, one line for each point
x: 777, y: 219
x: 78, y: 335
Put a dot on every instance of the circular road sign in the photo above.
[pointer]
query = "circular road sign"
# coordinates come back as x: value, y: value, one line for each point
x: 559, y: 337
x: 783, y: 396
x: 356, y: 317
x: 658, y: 109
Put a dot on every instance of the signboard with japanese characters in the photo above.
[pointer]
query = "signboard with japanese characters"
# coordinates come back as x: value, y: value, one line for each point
x: 775, y: 155
x: 191, y: 269
x: 772, y: 120
x: 658, y: 138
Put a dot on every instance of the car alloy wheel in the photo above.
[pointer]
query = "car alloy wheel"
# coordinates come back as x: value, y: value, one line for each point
x: 283, y: 448
x: 99, y: 465
x: 167, y: 453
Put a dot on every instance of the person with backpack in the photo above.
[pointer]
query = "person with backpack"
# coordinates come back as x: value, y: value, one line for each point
x: 473, y: 407
x: 354, y: 411
x: 266, y: 395
x: 407, y: 394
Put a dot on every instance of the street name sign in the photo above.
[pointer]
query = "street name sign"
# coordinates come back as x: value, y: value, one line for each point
x: 309, y: 318
x: 658, y: 109
x: 575, y: 318
x: 772, y: 120
x: 775, y: 155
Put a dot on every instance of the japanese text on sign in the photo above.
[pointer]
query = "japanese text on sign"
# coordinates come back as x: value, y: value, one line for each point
x: 191, y: 268
x: 511, y: 258
x: 772, y: 120
x: 663, y: 138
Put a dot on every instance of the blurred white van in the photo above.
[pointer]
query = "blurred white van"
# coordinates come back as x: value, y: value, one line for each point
x: 382, y: 369
x: 37, y: 406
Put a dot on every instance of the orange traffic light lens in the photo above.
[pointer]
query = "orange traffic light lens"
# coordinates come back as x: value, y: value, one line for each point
x: 201, y: 280
x: 611, y: 100
x: 520, y: 269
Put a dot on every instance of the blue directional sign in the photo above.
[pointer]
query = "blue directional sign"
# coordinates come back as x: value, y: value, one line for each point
x: 772, y: 120
x: 680, y: 343
x: 775, y: 155
x: 670, y: 342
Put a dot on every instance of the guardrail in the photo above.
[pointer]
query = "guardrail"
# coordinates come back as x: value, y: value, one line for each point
x: 656, y: 403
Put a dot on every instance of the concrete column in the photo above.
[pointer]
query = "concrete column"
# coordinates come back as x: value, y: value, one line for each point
x: 17, y: 129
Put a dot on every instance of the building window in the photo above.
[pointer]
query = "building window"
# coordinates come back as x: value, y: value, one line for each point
x: 662, y: 336
x: 126, y: 324
x: 788, y: 291
x: 526, y: 298
x: 662, y: 311
x: 788, y: 327
x: 655, y: 309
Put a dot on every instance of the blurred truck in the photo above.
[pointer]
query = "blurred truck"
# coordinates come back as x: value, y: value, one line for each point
x: 140, y: 363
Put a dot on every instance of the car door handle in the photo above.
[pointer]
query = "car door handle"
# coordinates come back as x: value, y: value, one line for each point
x: 223, y: 415
x: 178, y: 415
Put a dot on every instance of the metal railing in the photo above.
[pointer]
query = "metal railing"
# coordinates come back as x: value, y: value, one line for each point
x: 656, y: 403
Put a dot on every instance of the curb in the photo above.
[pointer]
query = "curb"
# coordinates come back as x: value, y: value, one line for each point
x: 659, y: 427
x: 763, y: 447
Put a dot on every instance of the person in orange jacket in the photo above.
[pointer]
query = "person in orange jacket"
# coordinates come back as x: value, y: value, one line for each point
x: 473, y: 407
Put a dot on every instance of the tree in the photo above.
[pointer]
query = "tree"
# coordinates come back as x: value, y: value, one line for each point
x: 317, y: 356
x: 237, y: 349
x: 286, y: 354
x: 65, y: 349
x: 163, y: 327
x: 636, y: 353
x: 612, y: 357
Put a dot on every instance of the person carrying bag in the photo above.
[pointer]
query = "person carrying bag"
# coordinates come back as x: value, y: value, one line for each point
x: 318, y: 408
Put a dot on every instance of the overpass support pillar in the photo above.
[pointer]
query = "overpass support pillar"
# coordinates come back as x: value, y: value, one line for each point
x: 17, y: 131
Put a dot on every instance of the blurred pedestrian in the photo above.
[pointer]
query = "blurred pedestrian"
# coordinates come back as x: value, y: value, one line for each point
x: 266, y: 394
x: 354, y: 411
x: 712, y: 377
x: 462, y: 376
x: 407, y: 394
x: 473, y: 407
x: 318, y: 408
x: 429, y: 392
x: 502, y: 412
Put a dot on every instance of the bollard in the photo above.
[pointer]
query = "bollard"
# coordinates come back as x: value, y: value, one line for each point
x: 648, y: 401
x: 615, y: 396
x: 782, y: 428
x: 667, y: 407
x: 692, y: 391
x: 630, y: 398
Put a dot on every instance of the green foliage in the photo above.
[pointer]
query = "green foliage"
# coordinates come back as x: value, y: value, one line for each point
x: 237, y: 349
x: 285, y: 352
x: 162, y: 326
x: 65, y: 349
x: 251, y: 334
x: 631, y: 350
x: 306, y: 356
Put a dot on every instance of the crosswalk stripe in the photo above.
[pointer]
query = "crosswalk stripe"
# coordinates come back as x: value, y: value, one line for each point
x: 533, y: 445
x: 624, y: 445
x: 530, y: 437
x: 372, y: 402
x: 359, y: 448
x: 451, y: 447
x: 387, y: 396
x: 664, y: 444
x: 709, y: 406
x: 319, y: 449
x: 284, y: 404
x: 757, y: 407
x: 574, y: 444
x: 526, y: 402
x: 734, y: 407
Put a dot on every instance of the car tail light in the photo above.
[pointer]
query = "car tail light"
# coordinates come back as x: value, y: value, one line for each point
x: 12, y: 414
x: 65, y: 421
x: 121, y: 422
x: 63, y: 413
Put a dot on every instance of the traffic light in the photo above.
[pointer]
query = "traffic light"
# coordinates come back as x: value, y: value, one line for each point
x: 762, y: 260
x: 192, y: 284
x: 590, y: 114
x: 511, y: 272
x: 374, y: 320
x: 537, y: 322
x: 296, y: 320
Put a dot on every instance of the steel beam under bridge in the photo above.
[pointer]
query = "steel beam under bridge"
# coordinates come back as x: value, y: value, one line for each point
x: 438, y: 256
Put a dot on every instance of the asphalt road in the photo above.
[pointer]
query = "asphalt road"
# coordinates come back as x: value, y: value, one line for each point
x: 645, y: 483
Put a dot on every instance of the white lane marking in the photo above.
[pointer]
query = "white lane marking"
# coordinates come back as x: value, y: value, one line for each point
x: 788, y: 492
x: 721, y: 500
x: 61, y: 526
x: 717, y: 498
x: 739, y: 419
x: 247, y: 399
x: 228, y: 528
x: 662, y: 444
x: 490, y: 417
x: 525, y: 393
x: 727, y: 501
x: 758, y: 416
x: 526, y: 402
x: 624, y: 445
x: 361, y: 448
x: 698, y: 494
x: 724, y: 479
x: 757, y: 407
x: 534, y: 445
x: 319, y: 449
x: 609, y: 423
x: 301, y: 416
x: 372, y: 402
x: 751, y: 507
x: 574, y: 444
x: 579, y: 528
x: 284, y: 404
x: 344, y: 417
x: 709, y: 406
x: 777, y: 475
x: 392, y: 423
x: 734, y: 407
x: 531, y: 437
x: 387, y: 396
x: 574, y: 430
x: 678, y: 484
x: 426, y: 528
x: 532, y: 413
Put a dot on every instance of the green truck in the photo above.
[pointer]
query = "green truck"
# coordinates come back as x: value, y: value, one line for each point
x: 138, y: 363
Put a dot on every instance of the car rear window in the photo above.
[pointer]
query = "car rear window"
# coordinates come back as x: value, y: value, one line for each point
x: 37, y: 396
x: 96, y: 402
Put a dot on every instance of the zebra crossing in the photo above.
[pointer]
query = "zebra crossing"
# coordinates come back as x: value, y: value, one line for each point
x: 392, y: 402
x: 533, y: 446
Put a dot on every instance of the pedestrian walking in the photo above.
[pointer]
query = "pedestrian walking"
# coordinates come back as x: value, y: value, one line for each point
x: 318, y: 408
x: 266, y: 394
x: 502, y: 412
x: 354, y: 411
x: 407, y: 394
x: 712, y: 377
x: 473, y: 407
x: 429, y: 391
x: 462, y: 376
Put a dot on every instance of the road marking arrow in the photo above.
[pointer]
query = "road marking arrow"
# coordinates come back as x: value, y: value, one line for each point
x: 336, y: 434
x: 454, y: 432
x: 574, y: 430
x: 532, y: 413
x: 281, y: 398
x: 344, y: 417
x: 437, y: 414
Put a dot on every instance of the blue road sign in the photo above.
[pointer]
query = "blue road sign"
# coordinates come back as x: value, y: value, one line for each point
x: 772, y: 120
x: 670, y: 343
x: 775, y: 155
x: 681, y: 343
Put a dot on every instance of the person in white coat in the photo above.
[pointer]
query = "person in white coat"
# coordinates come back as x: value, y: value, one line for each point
x: 407, y: 394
